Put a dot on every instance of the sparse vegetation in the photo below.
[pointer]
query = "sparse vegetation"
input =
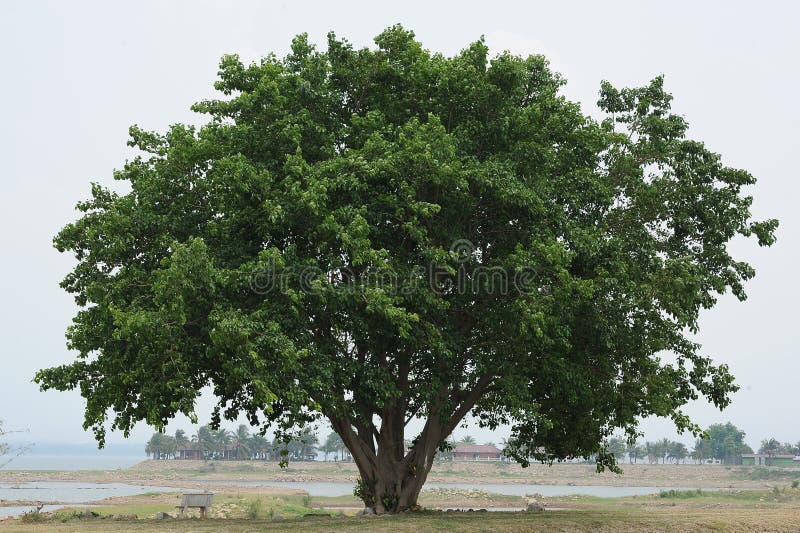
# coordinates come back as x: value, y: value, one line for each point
x: 32, y: 516
x: 672, y: 493
x: 772, y: 509
x: 254, y: 508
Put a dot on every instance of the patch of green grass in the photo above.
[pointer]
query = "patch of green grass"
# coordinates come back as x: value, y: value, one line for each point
x: 631, y: 519
x: 226, y: 505
x: 143, y: 510
x: 32, y: 516
x: 254, y: 509
x: 768, y: 473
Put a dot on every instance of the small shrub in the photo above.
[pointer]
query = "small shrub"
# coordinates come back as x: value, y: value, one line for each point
x: 32, y: 516
x: 389, y: 501
x: 254, y: 508
x: 672, y: 493
x: 362, y: 492
x: 795, y: 483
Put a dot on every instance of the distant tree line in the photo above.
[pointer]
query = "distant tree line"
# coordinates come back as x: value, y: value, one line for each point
x: 223, y: 444
x: 772, y: 446
x: 242, y: 445
x: 725, y: 444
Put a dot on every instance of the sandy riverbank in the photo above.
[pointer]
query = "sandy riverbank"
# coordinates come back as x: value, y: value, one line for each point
x: 181, y: 473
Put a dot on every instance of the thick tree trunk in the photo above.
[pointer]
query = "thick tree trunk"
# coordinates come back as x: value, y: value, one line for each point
x: 392, y: 483
x: 391, y: 480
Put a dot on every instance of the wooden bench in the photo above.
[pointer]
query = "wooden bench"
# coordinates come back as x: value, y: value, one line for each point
x: 200, y: 500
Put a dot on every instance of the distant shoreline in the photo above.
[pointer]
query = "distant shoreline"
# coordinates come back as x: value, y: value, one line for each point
x: 69, y: 462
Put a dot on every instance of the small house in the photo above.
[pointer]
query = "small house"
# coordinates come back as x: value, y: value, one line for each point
x: 763, y: 459
x: 475, y: 452
x: 188, y: 450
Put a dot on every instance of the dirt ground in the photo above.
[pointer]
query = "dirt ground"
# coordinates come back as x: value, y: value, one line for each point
x: 180, y: 472
x: 597, y: 521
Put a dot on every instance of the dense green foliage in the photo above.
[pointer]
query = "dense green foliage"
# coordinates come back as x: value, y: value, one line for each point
x: 375, y: 236
x: 723, y: 442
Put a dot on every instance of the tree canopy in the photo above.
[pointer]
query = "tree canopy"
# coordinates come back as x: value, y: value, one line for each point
x: 161, y: 446
x: 380, y: 235
x: 724, y: 442
x: 773, y: 446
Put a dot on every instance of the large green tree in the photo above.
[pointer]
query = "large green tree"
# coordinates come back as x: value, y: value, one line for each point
x: 726, y: 442
x: 375, y: 236
x: 333, y: 444
x: 617, y: 447
x: 702, y: 450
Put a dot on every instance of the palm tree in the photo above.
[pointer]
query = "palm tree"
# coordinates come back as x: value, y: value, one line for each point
x: 241, y: 441
x: 205, y: 441
x: 503, y: 445
x: 467, y: 439
x: 259, y: 446
x: 153, y: 446
x: 161, y: 446
x: 181, y: 441
x: 770, y: 447
x: 180, y: 438
x: 331, y: 444
x: 336, y: 445
x: 308, y: 440
x: 702, y: 450
x: 221, y: 439
x: 652, y: 451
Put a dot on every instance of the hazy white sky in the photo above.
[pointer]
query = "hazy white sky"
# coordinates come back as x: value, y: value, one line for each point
x: 76, y: 75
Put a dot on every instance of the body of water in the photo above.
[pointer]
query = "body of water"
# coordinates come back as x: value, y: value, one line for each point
x: 17, y: 510
x: 69, y: 491
x: 73, y: 462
